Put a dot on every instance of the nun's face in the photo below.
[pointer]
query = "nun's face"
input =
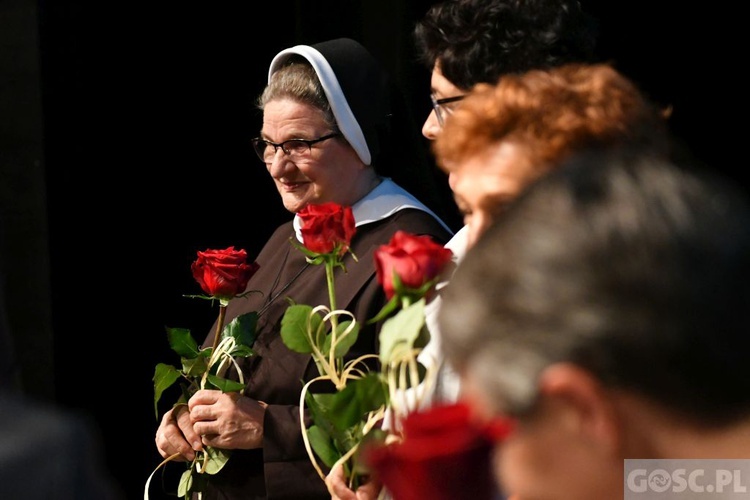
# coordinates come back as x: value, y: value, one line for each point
x: 329, y: 171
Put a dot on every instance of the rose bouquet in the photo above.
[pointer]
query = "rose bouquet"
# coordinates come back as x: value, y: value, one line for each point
x: 408, y: 268
x: 222, y: 275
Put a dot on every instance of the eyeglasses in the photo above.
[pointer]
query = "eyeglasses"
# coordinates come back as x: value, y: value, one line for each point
x: 295, y: 148
x: 442, y: 111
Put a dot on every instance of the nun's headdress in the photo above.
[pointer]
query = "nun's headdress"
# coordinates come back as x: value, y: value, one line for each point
x: 356, y: 86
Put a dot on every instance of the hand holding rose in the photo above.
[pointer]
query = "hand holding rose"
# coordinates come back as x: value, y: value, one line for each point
x: 227, y: 420
x: 216, y: 417
x: 175, y: 435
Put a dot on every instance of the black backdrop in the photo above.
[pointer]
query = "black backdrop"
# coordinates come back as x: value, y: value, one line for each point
x: 146, y: 115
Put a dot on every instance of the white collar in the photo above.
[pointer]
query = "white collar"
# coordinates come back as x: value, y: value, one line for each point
x: 385, y: 200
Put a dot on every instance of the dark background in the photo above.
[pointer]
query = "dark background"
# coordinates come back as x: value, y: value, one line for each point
x: 124, y: 149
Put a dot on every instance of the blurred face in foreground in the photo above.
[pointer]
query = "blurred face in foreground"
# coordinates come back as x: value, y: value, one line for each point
x: 485, y: 183
x: 567, y: 448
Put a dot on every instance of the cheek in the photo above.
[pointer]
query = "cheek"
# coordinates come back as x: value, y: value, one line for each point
x: 332, y: 171
x: 520, y: 468
x: 320, y: 180
x: 453, y: 181
x: 540, y: 461
x: 325, y: 183
x: 508, y: 468
x: 473, y: 395
x: 310, y: 171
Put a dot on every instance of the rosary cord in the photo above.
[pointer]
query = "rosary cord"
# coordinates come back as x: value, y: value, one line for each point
x: 272, y: 297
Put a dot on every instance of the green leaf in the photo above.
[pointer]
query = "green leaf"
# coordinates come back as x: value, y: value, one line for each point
x: 322, y: 445
x: 186, y: 482
x: 294, y: 329
x: 182, y: 342
x: 385, y: 311
x: 242, y: 329
x: 204, y: 297
x: 402, y: 331
x: 359, y: 397
x: 302, y: 248
x: 224, y: 384
x: 341, y: 438
x: 216, y: 459
x: 319, y: 407
x: 164, y: 376
x: 196, y: 366
x: 241, y: 352
x: 343, y: 342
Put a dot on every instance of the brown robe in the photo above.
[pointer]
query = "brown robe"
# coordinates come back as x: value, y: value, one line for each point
x: 282, y: 468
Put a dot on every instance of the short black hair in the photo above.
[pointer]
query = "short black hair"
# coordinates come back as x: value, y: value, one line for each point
x: 480, y: 40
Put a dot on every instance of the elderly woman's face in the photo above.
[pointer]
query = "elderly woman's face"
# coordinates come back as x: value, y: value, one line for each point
x: 329, y: 171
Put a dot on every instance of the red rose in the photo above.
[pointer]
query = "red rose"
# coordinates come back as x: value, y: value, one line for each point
x: 416, y: 260
x: 326, y: 226
x: 443, y: 455
x: 223, y: 273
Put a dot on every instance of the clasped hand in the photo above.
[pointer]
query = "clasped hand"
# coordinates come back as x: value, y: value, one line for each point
x: 211, y: 418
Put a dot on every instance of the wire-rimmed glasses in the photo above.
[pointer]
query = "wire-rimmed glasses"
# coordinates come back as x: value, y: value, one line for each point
x: 295, y: 148
x: 440, y: 108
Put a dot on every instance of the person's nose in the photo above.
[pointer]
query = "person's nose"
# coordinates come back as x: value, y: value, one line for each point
x: 280, y: 165
x: 431, y: 127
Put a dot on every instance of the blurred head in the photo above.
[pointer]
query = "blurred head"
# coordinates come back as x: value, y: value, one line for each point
x: 324, y: 111
x: 505, y: 136
x: 465, y: 42
x: 607, y: 311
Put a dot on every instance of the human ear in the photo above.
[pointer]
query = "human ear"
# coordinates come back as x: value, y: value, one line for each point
x: 586, y: 402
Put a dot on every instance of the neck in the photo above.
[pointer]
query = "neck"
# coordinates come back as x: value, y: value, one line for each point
x: 650, y: 431
x: 366, y: 185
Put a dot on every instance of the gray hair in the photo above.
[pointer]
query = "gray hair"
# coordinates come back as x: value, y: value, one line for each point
x: 298, y: 81
x: 630, y: 267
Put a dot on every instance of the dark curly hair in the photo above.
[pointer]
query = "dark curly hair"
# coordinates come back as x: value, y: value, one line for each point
x: 480, y: 40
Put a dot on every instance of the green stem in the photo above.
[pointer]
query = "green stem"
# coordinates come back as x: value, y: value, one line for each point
x: 329, y: 263
x: 219, y: 325
x: 217, y: 335
x: 405, y: 301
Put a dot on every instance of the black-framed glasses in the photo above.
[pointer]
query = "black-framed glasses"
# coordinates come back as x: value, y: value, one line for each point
x: 295, y: 148
x: 440, y: 108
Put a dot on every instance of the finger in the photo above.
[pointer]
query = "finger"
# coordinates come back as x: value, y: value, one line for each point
x: 368, y: 491
x: 203, y: 429
x: 170, y: 441
x: 332, y: 477
x: 337, y: 486
x: 167, y: 449
x: 204, y: 397
x: 187, y: 431
x: 163, y: 444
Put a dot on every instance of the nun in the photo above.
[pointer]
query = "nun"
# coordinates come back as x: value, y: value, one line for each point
x: 328, y: 135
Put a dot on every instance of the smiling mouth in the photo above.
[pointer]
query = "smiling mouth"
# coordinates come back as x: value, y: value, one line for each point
x: 292, y: 186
